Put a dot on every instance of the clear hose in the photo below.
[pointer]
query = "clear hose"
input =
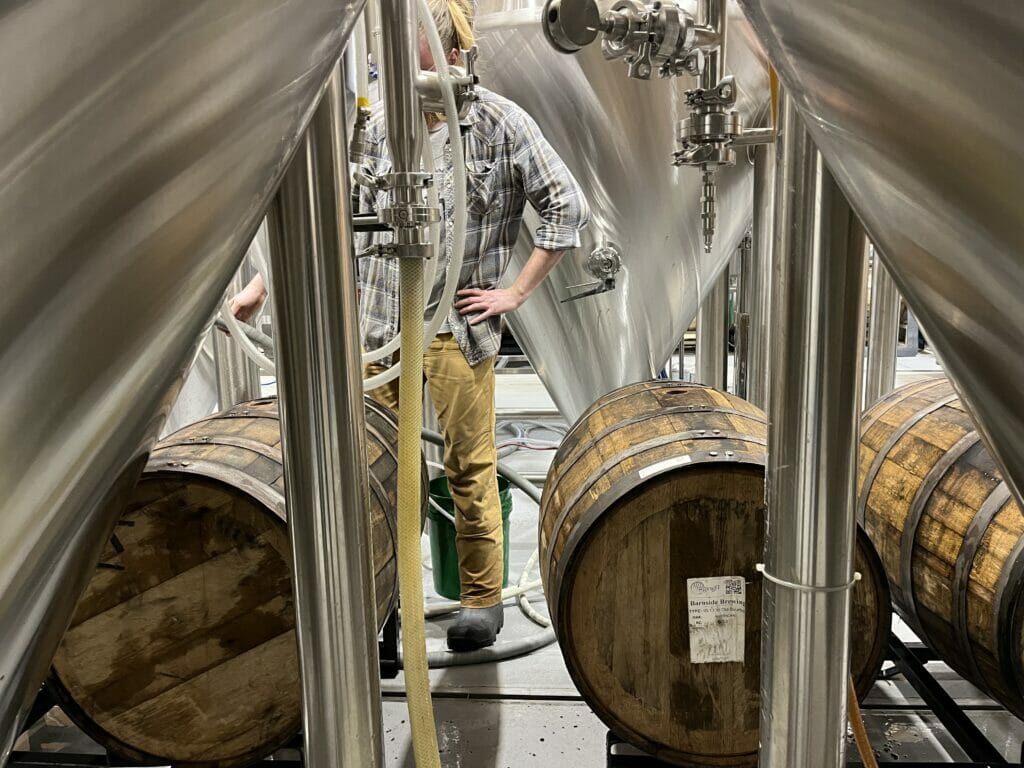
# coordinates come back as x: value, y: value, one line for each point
x: 410, y: 571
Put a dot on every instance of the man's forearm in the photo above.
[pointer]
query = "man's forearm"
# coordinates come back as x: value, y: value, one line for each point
x: 257, y: 285
x: 541, y: 262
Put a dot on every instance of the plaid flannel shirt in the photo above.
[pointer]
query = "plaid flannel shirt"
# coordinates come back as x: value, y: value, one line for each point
x: 509, y: 163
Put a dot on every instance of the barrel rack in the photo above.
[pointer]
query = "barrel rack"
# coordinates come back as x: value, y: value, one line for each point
x: 909, y: 660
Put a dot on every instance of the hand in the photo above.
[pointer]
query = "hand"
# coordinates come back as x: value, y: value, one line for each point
x: 488, y: 303
x: 247, y: 302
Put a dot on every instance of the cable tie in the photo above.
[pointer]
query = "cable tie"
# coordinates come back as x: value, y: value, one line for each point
x: 759, y: 567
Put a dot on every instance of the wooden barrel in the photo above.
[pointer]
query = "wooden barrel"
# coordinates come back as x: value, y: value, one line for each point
x: 949, y: 532
x: 182, y: 650
x: 652, y: 523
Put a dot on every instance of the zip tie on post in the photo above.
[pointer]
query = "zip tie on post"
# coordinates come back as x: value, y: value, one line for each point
x: 759, y: 567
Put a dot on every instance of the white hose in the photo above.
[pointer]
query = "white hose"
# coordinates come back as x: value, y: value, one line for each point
x: 454, y: 271
x: 450, y: 606
x: 524, y: 604
x: 264, y: 362
x: 260, y: 264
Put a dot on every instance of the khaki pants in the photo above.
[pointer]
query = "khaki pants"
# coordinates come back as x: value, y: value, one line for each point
x: 463, y: 397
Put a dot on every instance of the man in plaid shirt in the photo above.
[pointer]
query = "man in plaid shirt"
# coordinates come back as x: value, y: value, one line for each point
x: 509, y: 163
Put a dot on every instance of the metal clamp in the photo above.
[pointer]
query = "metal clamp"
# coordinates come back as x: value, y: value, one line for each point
x: 408, y: 219
x: 409, y: 215
x: 396, y: 251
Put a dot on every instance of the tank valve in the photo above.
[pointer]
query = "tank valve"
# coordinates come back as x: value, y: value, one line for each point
x: 603, y: 263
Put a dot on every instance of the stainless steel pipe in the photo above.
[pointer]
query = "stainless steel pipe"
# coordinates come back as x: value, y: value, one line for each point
x: 883, y: 330
x: 712, y: 320
x: 403, y: 123
x: 741, y: 317
x: 817, y: 315
x: 320, y: 383
x: 714, y: 15
x: 403, y: 119
x: 758, y: 292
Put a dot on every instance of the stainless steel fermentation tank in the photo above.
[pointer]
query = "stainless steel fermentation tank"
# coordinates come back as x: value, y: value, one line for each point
x: 617, y: 135
x: 140, y: 143
x: 916, y: 108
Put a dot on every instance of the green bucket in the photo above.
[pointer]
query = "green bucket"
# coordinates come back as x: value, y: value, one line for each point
x: 443, y: 554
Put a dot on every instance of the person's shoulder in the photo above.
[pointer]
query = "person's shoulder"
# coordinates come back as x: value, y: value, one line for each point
x: 496, y: 105
x: 500, y: 113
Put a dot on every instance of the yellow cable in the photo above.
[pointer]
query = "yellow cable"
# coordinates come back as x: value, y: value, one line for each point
x: 860, y: 734
x: 410, y: 570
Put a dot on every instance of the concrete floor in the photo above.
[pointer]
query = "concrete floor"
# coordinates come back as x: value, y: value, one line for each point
x: 526, y: 712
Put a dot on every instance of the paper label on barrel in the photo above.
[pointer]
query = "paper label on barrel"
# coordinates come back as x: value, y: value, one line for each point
x: 717, y: 607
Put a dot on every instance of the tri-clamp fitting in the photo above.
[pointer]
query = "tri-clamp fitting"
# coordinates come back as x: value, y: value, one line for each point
x: 408, y: 215
x: 659, y: 37
x: 707, y: 139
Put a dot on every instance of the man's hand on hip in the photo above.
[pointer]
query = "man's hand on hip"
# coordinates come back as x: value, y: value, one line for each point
x: 487, y: 303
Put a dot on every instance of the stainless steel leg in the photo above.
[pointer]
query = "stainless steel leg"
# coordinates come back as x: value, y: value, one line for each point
x: 814, y: 404
x: 758, y: 292
x: 744, y: 299
x: 883, y: 329
x: 319, y: 379
x: 712, y: 353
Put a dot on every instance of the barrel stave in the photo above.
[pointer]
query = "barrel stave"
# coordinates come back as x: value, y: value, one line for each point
x: 949, y: 533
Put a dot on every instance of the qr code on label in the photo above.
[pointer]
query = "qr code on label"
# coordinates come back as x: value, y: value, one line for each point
x: 733, y: 586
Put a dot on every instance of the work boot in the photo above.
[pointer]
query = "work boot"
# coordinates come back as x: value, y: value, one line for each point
x: 476, y: 628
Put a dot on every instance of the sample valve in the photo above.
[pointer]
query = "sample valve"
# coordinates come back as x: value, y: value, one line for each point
x: 603, y: 263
